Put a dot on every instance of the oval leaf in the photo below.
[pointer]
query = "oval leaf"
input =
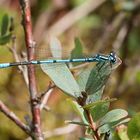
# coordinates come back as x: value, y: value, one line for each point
x: 82, y: 78
x: 95, y: 97
x: 108, y: 127
x: 78, y: 109
x: 62, y: 77
x: 99, y: 111
x: 94, y: 104
x: 60, y: 74
x: 77, y: 51
x: 113, y: 116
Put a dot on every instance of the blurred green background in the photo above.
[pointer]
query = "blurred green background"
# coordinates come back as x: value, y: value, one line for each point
x: 113, y: 25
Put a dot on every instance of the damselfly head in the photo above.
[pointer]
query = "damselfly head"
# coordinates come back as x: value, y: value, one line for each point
x: 112, y: 57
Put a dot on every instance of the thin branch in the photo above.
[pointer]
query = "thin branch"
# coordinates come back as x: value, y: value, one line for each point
x: 81, y: 102
x: 14, y: 118
x: 45, y: 99
x: 30, y: 44
x: 92, y: 125
x: 23, y: 69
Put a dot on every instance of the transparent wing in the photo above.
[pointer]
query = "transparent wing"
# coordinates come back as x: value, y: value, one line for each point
x: 94, y: 78
x: 51, y: 52
x: 60, y: 74
x: 98, y: 77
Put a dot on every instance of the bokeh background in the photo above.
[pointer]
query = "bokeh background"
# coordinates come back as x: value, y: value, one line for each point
x: 102, y: 26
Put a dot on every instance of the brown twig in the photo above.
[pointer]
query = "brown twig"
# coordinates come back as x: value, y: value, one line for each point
x: 30, y: 44
x: 22, y: 69
x: 14, y: 118
x: 46, y: 96
x: 92, y: 125
x: 81, y: 101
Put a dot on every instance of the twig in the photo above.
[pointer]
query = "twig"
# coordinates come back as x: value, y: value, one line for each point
x: 72, y: 17
x: 14, y: 118
x: 23, y: 69
x: 81, y: 102
x: 30, y: 44
x: 92, y: 125
x: 45, y: 99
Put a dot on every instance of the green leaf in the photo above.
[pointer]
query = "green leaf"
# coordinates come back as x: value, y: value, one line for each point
x: 95, y: 97
x: 104, y: 128
x: 99, y: 111
x: 4, y: 24
x: 113, y: 115
x: 5, y: 39
x: 78, y: 109
x: 60, y: 74
x: 77, y: 51
x: 62, y: 77
x: 108, y: 127
x: 98, y: 77
x: 82, y: 78
x: 78, y: 123
x: 94, y: 104
x: 134, y: 127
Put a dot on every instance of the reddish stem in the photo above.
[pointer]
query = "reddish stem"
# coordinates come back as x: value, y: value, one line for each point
x: 92, y: 125
x: 30, y: 44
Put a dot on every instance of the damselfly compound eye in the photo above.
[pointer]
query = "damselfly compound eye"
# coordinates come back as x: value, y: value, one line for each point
x: 112, y: 57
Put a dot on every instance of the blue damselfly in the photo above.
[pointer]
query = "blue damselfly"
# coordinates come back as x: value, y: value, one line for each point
x: 97, y: 58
